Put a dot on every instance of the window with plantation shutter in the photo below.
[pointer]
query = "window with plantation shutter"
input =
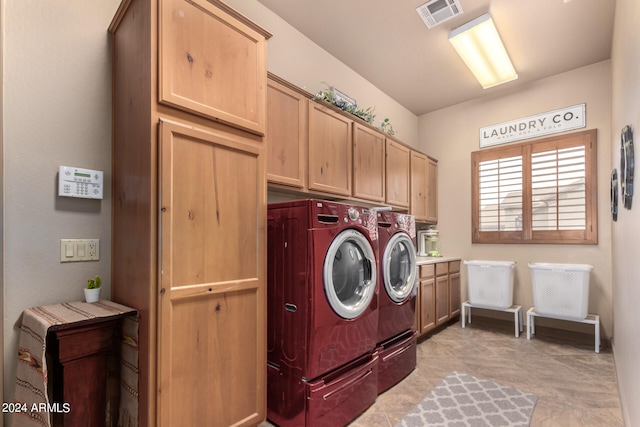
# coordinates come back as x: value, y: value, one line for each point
x: 542, y: 191
x: 558, y: 189
x: 501, y: 194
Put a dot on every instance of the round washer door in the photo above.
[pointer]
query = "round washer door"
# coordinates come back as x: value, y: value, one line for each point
x: 399, y: 267
x: 350, y: 274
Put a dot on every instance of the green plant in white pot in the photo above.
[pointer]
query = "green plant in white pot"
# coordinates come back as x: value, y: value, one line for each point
x: 92, y: 291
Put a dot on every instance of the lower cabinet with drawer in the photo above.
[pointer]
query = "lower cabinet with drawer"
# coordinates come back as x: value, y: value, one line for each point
x: 438, y: 295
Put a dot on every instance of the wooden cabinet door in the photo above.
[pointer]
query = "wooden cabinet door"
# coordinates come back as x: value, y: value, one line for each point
x: 213, y: 63
x: 419, y: 186
x: 454, y: 288
x: 454, y: 294
x: 426, y: 301
x: 397, y: 174
x: 424, y: 188
x: 212, y: 297
x: 330, y: 150
x: 286, y: 136
x: 427, y: 305
x: 442, y: 293
x: 432, y: 192
x: 368, y: 164
x: 417, y: 319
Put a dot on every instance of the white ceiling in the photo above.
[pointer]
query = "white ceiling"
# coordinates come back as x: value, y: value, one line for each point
x: 386, y: 42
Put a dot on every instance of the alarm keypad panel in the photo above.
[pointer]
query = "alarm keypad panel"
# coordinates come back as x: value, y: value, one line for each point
x: 79, y: 182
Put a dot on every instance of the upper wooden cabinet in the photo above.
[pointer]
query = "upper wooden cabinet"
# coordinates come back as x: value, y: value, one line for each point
x: 432, y: 198
x: 368, y: 164
x: 330, y: 150
x: 213, y: 62
x: 419, y: 185
x: 424, y: 202
x: 397, y: 174
x: 316, y: 148
x: 287, y: 133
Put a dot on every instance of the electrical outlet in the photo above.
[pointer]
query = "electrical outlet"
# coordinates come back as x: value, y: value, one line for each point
x: 92, y: 249
x: 72, y: 250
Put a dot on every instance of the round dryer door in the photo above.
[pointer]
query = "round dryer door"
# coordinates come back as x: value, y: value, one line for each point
x: 350, y: 274
x: 399, y: 267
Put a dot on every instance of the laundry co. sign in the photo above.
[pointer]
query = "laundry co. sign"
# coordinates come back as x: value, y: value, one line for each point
x: 534, y: 126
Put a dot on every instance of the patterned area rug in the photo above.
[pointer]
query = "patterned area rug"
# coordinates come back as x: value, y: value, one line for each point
x: 463, y: 400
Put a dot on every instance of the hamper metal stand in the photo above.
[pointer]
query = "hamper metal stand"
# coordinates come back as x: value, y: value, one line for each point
x: 515, y: 309
x: 592, y: 319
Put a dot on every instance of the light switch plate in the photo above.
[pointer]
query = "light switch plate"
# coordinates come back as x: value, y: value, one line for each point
x: 72, y: 250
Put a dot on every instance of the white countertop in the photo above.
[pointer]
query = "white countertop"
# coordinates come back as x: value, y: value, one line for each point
x: 421, y: 260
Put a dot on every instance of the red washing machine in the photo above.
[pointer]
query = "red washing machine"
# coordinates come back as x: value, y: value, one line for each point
x: 397, y: 278
x: 322, y: 312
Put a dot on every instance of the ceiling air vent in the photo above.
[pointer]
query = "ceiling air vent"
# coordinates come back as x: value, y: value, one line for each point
x: 435, y: 12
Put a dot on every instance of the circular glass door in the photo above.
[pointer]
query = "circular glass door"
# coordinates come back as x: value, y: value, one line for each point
x: 350, y: 274
x: 399, y: 267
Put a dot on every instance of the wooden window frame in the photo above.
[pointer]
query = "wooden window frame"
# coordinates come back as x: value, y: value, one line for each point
x: 588, y: 236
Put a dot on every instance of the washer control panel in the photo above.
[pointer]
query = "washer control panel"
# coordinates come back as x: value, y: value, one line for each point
x: 354, y: 214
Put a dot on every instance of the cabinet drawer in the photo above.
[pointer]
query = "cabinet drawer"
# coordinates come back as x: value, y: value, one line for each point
x: 426, y: 271
x: 442, y: 268
x: 79, y: 342
x: 454, y: 266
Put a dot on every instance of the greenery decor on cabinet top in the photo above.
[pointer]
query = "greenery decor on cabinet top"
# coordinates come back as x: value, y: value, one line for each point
x: 342, y: 101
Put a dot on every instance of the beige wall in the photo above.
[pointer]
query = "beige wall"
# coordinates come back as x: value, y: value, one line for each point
x: 57, y: 111
x: 300, y: 61
x: 626, y: 231
x: 450, y: 135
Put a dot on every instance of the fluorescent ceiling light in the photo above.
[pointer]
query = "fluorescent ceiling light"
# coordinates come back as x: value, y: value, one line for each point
x: 481, y: 48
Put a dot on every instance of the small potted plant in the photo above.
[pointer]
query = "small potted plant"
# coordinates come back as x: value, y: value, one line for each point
x: 92, y: 291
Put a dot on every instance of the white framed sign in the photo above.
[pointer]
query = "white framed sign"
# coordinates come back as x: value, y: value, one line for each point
x: 548, y: 123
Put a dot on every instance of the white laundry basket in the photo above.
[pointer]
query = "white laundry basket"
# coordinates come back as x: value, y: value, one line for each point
x: 561, y: 291
x: 490, y: 283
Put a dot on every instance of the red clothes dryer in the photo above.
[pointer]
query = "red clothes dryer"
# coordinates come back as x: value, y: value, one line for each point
x: 322, y: 312
x: 397, y: 278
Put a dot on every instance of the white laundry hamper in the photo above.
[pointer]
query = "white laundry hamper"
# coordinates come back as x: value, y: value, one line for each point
x: 561, y: 291
x: 490, y: 283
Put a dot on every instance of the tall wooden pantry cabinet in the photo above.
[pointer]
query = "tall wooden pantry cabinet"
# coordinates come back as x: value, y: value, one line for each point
x: 189, y: 207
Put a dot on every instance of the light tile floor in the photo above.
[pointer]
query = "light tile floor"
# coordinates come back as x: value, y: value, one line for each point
x: 575, y: 386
